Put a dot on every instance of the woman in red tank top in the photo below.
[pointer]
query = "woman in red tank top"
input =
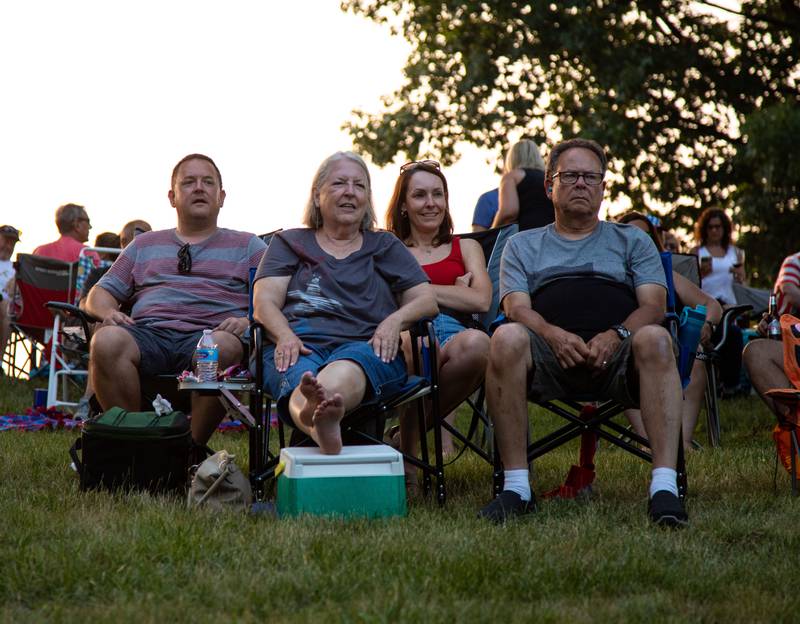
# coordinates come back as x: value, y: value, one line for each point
x: 419, y: 215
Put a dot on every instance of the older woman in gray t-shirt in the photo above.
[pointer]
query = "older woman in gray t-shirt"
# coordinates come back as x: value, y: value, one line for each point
x: 334, y: 298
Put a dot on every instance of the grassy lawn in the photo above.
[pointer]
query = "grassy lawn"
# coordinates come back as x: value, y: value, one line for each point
x: 69, y: 556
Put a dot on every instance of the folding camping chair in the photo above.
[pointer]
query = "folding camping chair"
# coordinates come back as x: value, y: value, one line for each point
x: 69, y: 347
x: 39, y: 280
x: 789, y: 424
x: 479, y: 435
x: 688, y: 266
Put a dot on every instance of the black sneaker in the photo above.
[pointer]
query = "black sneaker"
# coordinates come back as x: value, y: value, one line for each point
x: 506, y: 506
x: 666, y: 509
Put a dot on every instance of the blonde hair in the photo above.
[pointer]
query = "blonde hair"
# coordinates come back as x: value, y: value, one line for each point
x: 524, y: 154
x: 312, y: 216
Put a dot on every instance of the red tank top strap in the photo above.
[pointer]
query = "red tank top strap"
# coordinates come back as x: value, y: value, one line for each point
x: 455, y: 250
x: 448, y: 269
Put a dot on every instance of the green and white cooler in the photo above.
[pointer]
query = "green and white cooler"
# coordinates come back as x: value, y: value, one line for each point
x: 361, y: 481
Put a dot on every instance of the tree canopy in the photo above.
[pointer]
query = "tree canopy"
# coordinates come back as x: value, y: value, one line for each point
x: 683, y: 97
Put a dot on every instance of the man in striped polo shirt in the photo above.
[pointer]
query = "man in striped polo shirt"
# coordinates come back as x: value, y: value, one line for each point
x: 177, y: 283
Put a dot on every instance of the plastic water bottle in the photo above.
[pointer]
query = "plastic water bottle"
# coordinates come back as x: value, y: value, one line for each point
x: 206, y: 357
x: 691, y: 327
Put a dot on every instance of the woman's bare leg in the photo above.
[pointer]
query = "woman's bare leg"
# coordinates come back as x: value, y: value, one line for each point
x: 319, y: 402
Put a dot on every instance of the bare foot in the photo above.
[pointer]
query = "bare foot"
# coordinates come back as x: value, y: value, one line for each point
x: 314, y: 394
x: 326, y: 419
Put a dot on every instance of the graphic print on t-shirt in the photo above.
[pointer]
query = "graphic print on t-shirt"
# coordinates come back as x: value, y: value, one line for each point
x: 312, y: 299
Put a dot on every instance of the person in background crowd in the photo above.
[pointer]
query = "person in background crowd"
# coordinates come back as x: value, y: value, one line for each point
x: 86, y: 264
x: 721, y: 265
x: 686, y: 294
x: 522, y: 192
x: 73, y: 223
x: 485, y: 210
x: 671, y: 242
x: 129, y: 231
x: 9, y: 237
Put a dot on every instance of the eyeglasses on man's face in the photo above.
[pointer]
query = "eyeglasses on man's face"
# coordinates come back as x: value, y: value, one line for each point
x: 413, y: 164
x: 85, y: 220
x: 184, y: 260
x: 591, y: 178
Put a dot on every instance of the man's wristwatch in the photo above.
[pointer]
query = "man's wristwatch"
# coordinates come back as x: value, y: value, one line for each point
x: 622, y: 331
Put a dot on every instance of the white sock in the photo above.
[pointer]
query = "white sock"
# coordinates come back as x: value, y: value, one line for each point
x: 517, y: 481
x: 664, y: 479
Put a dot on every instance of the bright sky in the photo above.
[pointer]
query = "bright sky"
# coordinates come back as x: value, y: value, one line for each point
x: 101, y: 99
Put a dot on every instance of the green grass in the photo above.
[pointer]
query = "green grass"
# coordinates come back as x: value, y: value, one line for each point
x: 71, y: 556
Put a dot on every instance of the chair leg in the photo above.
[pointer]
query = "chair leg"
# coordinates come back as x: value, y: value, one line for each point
x: 794, y: 455
x: 712, y: 407
x: 498, y: 476
x: 683, y: 482
x: 423, y: 447
x: 437, y: 450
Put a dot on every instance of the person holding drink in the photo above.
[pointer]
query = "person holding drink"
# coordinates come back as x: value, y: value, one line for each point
x: 721, y: 265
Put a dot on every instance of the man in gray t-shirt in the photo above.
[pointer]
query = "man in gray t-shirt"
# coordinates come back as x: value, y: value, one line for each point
x: 586, y: 299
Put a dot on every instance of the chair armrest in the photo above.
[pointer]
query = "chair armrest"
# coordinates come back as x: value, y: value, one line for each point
x: 424, y: 358
x: 257, y: 349
x: 67, y: 309
x: 721, y: 335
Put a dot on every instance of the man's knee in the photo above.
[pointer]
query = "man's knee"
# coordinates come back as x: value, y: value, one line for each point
x: 652, y: 344
x: 230, y: 348
x: 759, y: 353
x: 111, y: 344
x: 510, y: 344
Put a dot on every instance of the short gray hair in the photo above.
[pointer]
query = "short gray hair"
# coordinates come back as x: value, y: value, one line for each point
x: 592, y: 146
x: 67, y: 214
x: 312, y: 216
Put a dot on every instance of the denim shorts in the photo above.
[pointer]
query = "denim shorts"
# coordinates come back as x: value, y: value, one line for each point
x: 382, y: 378
x: 445, y: 327
x: 166, y: 351
x: 163, y: 351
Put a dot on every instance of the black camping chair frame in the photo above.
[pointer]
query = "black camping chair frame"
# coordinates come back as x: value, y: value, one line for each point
x: 598, y: 420
x: 688, y: 265
x: 479, y: 437
x: 364, y: 425
x: 711, y: 359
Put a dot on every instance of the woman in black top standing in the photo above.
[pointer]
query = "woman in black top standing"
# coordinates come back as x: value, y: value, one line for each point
x: 522, y: 193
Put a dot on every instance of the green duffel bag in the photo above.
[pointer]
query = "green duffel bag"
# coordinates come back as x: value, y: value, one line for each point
x: 134, y: 450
